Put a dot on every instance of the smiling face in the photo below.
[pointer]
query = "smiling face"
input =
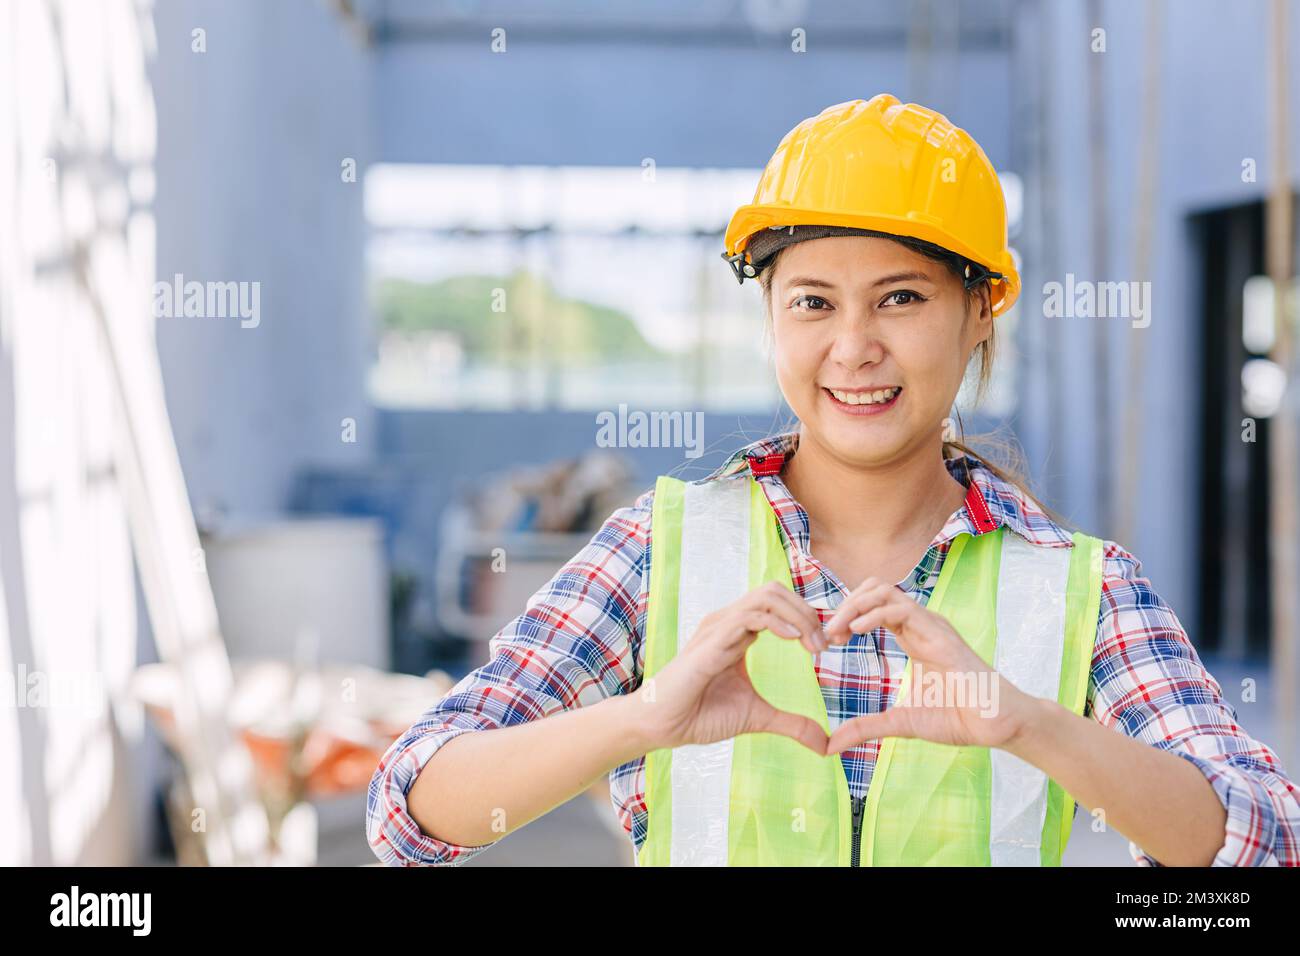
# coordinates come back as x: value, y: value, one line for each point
x: 871, y: 343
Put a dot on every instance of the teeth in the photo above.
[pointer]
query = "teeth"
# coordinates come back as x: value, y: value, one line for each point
x: 865, y: 398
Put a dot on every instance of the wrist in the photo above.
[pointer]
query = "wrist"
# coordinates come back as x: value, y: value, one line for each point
x: 1035, y: 721
x: 632, y: 714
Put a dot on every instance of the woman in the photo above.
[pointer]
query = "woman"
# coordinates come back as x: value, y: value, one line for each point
x: 857, y: 643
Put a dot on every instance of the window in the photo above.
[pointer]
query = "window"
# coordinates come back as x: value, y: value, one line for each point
x: 572, y: 288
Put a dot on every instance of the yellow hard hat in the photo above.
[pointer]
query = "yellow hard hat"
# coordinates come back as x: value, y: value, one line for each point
x: 890, y: 167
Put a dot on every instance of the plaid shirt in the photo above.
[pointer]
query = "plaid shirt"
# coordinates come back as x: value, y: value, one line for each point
x: 581, y: 640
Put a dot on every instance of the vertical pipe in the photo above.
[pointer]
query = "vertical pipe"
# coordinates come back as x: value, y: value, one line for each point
x: 1026, y: 153
x: 1147, y: 185
x: 1050, y: 266
x: 1098, y: 155
x: 1282, y: 461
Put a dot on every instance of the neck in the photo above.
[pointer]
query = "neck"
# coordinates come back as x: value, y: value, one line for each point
x: 877, y: 508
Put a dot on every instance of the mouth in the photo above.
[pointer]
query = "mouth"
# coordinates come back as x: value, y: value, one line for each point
x: 864, y: 402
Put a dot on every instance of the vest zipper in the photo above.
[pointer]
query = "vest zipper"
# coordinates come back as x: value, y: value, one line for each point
x: 858, y: 804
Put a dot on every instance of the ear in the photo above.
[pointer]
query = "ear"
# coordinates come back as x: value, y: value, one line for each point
x: 979, y: 315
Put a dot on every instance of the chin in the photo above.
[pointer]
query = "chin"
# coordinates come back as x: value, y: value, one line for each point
x: 863, y: 445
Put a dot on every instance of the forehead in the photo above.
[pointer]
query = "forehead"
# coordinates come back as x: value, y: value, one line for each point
x: 840, y: 259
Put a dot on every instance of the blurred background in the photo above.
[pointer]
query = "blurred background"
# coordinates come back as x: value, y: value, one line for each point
x: 309, y: 307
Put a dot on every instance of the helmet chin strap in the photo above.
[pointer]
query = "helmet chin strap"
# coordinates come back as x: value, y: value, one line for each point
x: 743, y: 270
x: 976, y: 273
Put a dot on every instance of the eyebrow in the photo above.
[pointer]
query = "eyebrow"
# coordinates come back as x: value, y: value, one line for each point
x: 883, y: 280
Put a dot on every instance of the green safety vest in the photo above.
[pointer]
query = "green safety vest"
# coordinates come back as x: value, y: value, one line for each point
x: 763, y: 799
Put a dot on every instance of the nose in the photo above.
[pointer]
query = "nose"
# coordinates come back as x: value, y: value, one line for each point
x: 857, y: 341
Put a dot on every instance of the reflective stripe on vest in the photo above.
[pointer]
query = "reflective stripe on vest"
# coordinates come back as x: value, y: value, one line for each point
x: 763, y: 799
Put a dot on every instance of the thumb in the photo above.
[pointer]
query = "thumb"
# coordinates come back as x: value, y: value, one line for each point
x: 888, y: 723
x: 795, y: 726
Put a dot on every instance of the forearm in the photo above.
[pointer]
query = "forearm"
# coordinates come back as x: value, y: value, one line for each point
x: 1154, y: 798
x: 483, y: 784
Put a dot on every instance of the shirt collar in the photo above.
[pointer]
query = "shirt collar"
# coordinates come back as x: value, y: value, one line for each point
x: 990, y: 503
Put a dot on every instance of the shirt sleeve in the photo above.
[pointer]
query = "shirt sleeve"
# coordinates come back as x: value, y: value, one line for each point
x: 1148, y: 682
x: 576, y: 643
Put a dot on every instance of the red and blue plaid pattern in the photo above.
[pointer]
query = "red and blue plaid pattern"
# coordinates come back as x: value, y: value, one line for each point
x: 581, y: 641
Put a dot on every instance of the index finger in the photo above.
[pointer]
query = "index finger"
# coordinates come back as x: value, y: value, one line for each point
x: 870, y: 594
x: 812, y: 636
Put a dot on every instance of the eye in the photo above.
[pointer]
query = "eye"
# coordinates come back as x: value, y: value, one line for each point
x: 908, y: 298
x: 809, y: 300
